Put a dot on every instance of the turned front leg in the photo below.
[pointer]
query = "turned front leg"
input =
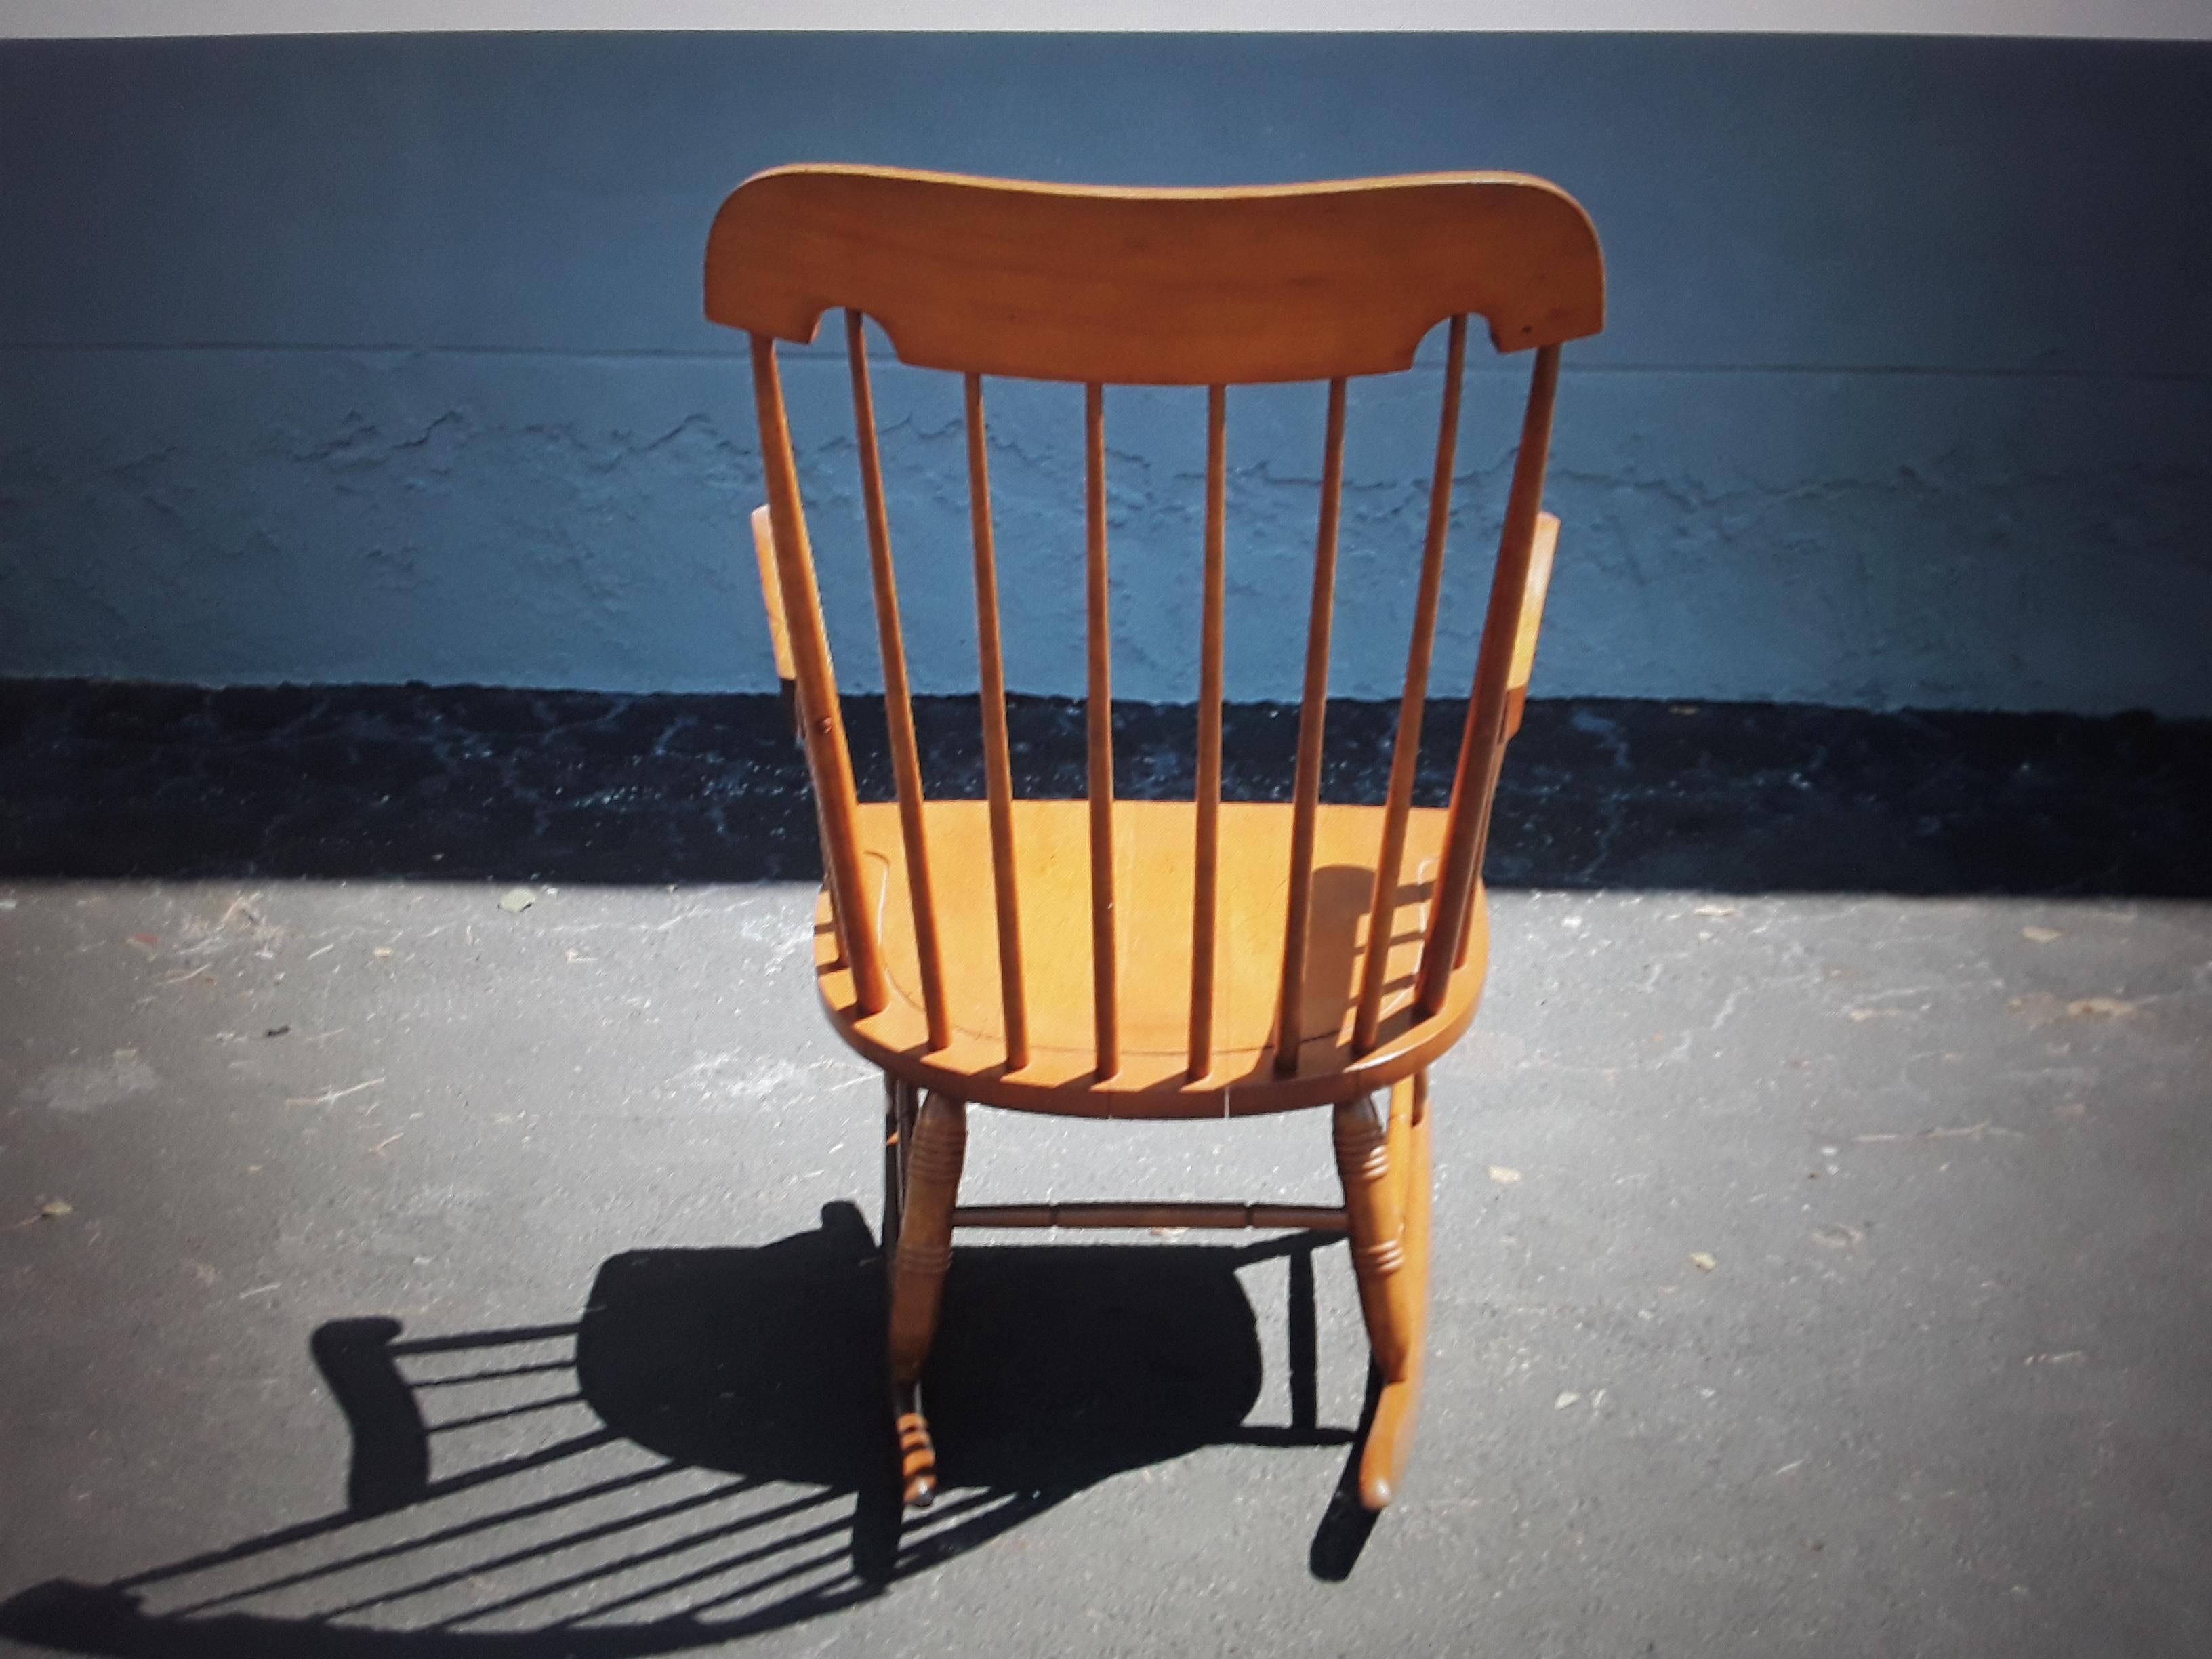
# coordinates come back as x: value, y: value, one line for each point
x: 923, y: 1252
x: 1374, y: 1204
x: 924, y: 1249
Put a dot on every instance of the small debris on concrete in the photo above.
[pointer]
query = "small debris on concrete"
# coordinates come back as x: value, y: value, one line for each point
x: 2040, y: 935
x: 1964, y: 1132
x: 1702, y: 1260
x: 1565, y: 1400
x: 332, y: 1094
x: 276, y: 1030
x: 516, y: 900
x: 2041, y: 1008
x: 2101, y: 1008
x: 1503, y: 1176
x: 381, y: 951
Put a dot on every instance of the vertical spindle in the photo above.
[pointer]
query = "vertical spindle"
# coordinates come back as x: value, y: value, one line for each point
x: 1205, y: 855
x: 827, y: 757
x: 898, y: 701
x: 1100, y: 722
x: 1405, y: 753
x: 998, y: 760
x: 1312, y: 714
x: 1474, y: 784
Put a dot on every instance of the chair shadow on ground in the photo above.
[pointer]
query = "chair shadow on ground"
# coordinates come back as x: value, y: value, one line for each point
x: 706, y: 1453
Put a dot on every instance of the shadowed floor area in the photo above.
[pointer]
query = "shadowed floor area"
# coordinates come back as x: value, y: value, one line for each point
x: 477, y: 782
x: 704, y: 1455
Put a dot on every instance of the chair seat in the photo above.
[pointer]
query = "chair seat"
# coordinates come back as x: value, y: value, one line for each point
x: 1153, y: 847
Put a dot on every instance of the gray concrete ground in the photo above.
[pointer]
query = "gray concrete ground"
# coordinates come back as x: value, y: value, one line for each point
x: 1815, y: 1275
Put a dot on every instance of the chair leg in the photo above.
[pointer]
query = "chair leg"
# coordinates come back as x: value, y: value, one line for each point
x: 1385, y: 1170
x: 901, y: 1100
x: 919, y: 1258
x: 1374, y: 1206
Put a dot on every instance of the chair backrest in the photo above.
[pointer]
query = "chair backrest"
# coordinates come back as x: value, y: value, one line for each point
x: 1211, y: 288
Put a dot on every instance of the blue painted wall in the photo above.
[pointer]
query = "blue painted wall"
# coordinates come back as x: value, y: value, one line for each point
x: 378, y: 358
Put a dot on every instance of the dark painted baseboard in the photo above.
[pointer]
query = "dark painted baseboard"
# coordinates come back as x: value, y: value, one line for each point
x: 108, y: 780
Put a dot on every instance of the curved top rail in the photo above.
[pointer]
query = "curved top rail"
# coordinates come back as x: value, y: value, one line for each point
x: 1155, y: 287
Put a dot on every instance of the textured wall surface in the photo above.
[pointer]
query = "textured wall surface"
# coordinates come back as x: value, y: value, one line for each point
x: 380, y: 358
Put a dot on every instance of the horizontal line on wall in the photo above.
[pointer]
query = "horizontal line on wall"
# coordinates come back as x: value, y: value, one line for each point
x: 803, y: 356
x: 2146, y: 19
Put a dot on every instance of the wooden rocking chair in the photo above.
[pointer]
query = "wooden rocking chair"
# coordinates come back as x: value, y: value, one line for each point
x: 1261, y: 990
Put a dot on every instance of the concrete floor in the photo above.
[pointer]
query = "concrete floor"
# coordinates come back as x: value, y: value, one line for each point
x: 1815, y: 1275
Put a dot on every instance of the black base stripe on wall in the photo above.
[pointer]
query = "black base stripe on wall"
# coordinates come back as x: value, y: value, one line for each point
x: 472, y: 783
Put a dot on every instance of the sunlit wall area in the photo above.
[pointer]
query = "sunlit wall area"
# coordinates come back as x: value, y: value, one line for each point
x: 377, y: 356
